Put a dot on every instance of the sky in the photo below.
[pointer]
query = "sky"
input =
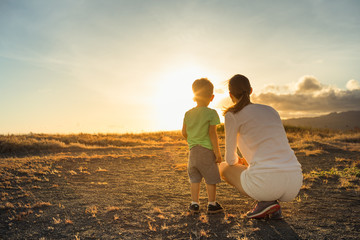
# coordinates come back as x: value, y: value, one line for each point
x: 120, y: 66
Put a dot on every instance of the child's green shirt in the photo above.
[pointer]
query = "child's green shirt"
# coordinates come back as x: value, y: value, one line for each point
x: 197, y: 121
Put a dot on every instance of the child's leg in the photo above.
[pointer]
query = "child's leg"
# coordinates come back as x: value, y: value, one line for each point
x: 213, y: 206
x: 195, y: 192
x: 211, y: 190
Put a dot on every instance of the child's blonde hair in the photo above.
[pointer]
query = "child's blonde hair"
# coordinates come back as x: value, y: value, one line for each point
x: 203, y: 89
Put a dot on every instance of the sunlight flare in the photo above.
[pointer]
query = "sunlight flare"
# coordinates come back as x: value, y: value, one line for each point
x: 174, y: 95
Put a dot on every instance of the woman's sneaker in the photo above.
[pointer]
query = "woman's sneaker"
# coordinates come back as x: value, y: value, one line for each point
x: 263, y: 208
x: 276, y: 215
x: 194, y: 208
x: 215, y: 208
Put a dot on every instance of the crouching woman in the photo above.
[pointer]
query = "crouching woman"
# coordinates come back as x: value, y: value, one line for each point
x: 269, y: 171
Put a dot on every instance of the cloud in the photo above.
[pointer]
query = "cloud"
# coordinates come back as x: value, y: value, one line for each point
x: 308, y: 84
x: 352, y: 84
x: 276, y: 89
x: 312, y: 98
x: 309, y: 98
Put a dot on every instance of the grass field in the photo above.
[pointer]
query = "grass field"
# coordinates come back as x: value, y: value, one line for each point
x: 135, y: 186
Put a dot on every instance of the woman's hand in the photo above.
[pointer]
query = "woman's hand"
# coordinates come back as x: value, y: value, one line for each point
x: 242, y: 161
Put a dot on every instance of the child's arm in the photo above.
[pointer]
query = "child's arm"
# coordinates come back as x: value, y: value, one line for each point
x: 184, y: 133
x: 215, y: 142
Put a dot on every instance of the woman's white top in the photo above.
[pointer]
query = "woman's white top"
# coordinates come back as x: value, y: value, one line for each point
x: 259, y: 134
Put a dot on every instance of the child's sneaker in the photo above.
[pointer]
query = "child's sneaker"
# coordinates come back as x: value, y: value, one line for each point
x: 215, y: 208
x: 276, y: 215
x: 194, y: 208
x: 263, y: 208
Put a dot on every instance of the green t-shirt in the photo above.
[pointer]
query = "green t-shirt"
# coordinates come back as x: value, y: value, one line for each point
x: 197, y: 121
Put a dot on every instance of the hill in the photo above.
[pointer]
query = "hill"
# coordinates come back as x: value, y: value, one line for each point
x: 343, y: 121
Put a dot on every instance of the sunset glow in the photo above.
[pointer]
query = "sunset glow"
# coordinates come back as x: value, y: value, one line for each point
x: 174, y: 96
x: 127, y: 66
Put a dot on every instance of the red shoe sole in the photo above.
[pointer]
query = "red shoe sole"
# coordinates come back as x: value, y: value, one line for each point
x: 267, y: 211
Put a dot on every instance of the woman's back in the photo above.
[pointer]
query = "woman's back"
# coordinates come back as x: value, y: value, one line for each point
x: 261, y: 139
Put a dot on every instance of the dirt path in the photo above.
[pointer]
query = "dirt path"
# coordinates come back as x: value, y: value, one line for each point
x: 136, y: 193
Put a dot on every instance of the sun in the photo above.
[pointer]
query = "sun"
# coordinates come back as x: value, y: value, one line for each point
x: 174, y: 96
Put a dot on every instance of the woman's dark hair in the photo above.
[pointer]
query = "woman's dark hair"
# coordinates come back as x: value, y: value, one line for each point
x: 239, y: 87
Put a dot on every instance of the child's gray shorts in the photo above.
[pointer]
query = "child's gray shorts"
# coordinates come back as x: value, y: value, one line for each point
x: 202, y: 164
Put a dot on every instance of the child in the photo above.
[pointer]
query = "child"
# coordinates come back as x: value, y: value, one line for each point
x: 199, y: 129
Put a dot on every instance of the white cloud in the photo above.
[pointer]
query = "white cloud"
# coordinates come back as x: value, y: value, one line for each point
x: 353, y: 84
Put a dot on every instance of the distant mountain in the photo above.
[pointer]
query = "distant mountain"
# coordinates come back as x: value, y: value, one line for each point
x: 343, y: 120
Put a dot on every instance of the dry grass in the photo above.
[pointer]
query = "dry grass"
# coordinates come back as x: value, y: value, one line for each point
x: 347, y: 177
x: 38, y: 143
x: 68, y: 221
x: 314, y: 152
x: 157, y: 210
x: 12, y: 145
x: 101, y: 170
x: 27, y: 162
x: 180, y: 167
x: 309, y: 141
x: 112, y: 209
x: 151, y: 227
x: 91, y: 210
x: 41, y: 204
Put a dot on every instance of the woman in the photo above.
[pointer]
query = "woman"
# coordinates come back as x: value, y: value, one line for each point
x: 269, y: 170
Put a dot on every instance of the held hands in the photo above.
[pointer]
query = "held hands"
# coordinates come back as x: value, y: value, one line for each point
x: 242, y: 161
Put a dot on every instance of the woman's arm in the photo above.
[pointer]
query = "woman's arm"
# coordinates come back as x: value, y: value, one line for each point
x: 215, y: 143
x: 231, y: 133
